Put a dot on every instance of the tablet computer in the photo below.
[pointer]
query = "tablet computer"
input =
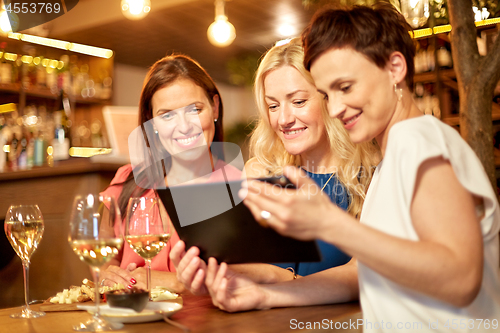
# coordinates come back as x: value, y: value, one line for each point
x: 212, y: 217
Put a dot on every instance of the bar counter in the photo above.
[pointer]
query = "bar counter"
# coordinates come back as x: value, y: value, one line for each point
x: 43, y: 185
x: 201, y: 316
x: 54, y: 266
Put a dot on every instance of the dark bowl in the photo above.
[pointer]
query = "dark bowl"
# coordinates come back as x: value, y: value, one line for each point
x: 132, y: 299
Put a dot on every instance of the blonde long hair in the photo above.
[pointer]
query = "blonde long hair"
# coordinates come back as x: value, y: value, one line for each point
x: 356, y: 161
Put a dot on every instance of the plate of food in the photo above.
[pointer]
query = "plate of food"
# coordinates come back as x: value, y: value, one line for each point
x: 154, y: 311
x: 69, y: 299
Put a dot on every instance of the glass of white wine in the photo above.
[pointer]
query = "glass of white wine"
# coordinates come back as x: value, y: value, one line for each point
x: 24, y: 229
x: 146, y: 231
x: 95, y: 235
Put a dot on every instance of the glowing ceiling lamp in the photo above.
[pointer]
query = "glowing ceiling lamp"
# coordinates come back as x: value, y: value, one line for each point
x: 416, y: 12
x: 287, y: 30
x: 136, y: 9
x: 221, y: 32
x: 60, y: 44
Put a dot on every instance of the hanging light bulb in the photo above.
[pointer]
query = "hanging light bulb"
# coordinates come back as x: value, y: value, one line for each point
x: 136, y: 9
x: 221, y: 32
x: 416, y: 12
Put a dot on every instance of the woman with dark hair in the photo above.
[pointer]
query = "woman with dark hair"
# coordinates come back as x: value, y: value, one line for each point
x: 181, y: 101
x: 427, y: 243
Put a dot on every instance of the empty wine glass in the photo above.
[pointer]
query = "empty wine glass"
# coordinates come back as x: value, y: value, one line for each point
x: 145, y: 231
x: 95, y: 236
x: 24, y: 229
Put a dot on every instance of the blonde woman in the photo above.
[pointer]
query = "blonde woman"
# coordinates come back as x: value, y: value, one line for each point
x: 294, y: 129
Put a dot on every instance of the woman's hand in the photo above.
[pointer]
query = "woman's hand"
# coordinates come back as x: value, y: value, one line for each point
x: 304, y: 213
x: 139, y: 276
x: 191, y: 270
x: 113, y: 274
x: 231, y: 291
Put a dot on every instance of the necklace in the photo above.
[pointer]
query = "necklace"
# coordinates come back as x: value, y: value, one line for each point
x: 327, y: 182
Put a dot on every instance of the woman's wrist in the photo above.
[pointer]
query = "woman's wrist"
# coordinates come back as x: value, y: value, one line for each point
x: 265, y: 301
x: 335, y: 221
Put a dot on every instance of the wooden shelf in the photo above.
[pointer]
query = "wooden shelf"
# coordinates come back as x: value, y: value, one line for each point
x: 81, y: 100
x: 40, y: 92
x: 10, y: 88
x: 72, y: 166
x: 425, y: 77
x: 444, y: 74
x: 455, y: 121
x: 46, y: 93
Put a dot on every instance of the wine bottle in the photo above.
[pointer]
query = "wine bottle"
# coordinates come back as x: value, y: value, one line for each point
x: 5, y: 66
x: 13, y: 152
x: 3, y: 141
x: 61, y: 142
x: 22, y: 160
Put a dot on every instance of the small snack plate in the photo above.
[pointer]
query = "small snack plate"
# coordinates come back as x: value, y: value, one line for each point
x: 124, y: 315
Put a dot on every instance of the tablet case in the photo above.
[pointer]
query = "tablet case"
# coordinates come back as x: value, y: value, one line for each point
x: 213, y: 218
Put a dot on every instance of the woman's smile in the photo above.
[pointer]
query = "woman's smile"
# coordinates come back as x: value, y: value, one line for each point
x: 188, y: 141
x: 293, y: 133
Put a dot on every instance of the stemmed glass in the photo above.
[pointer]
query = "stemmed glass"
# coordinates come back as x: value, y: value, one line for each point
x: 95, y: 236
x: 145, y: 231
x: 24, y: 229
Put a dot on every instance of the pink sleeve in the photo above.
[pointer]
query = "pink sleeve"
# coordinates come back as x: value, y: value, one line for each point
x: 223, y: 170
x: 162, y: 261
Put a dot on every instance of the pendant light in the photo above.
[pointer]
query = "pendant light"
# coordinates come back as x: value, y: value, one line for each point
x: 221, y: 32
x: 416, y: 12
x: 135, y: 9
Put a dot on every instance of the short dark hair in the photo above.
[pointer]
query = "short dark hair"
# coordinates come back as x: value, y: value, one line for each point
x: 376, y: 32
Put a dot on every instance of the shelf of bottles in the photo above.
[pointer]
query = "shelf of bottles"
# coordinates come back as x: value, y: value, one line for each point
x: 433, y: 66
x: 436, y: 87
x: 55, y: 96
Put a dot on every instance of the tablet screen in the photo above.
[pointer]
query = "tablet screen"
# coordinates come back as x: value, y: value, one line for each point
x: 212, y: 217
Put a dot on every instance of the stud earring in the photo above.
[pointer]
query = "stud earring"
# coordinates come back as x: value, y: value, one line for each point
x: 156, y: 132
x: 398, y: 91
x: 215, y: 120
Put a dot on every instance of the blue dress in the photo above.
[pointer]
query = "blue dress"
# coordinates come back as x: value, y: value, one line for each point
x: 331, y: 255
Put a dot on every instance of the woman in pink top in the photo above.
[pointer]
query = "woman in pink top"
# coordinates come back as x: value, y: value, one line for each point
x: 183, y: 105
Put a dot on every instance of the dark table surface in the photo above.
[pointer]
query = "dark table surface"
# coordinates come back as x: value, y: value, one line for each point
x: 200, y: 315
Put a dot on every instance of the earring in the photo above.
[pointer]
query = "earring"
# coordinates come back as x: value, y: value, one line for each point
x: 156, y: 132
x: 215, y: 120
x: 398, y: 91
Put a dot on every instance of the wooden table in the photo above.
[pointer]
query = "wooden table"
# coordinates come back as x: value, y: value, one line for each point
x: 201, y: 316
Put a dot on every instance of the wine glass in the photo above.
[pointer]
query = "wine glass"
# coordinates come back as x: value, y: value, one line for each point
x: 95, y: 236
x: 145, y: 231
x: 24, y: 229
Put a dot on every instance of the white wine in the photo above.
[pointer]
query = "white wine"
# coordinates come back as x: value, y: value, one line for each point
x: 147, y: 246
x: 96, y: 252
x: 24, y: 237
